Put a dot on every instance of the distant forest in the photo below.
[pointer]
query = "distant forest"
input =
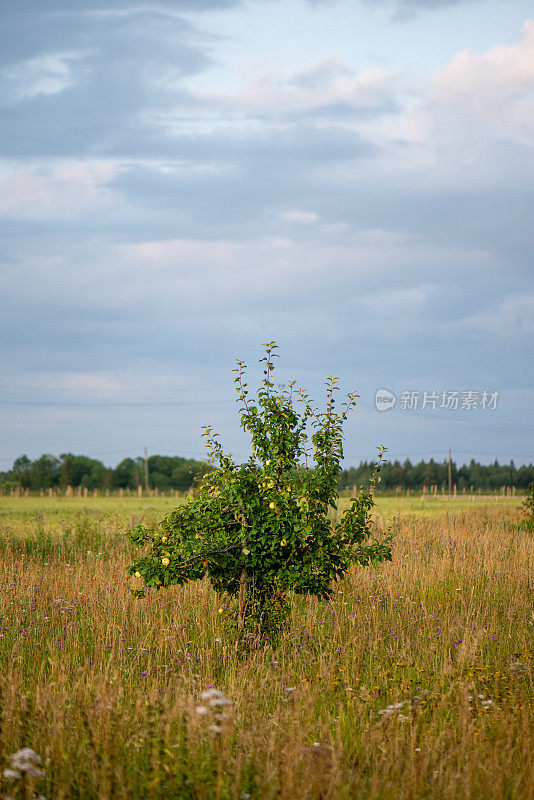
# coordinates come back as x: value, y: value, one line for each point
x: 164, y: 472
x: 396, y: 475
x: 174, y: 472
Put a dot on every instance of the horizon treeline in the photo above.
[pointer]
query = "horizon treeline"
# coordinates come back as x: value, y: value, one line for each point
x: 175, y: 472
x: 48, y: 471
x: 484, y: 477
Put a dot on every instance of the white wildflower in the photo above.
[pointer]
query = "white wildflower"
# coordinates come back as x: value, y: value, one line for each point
x: 389, y: 710
x: 24, y: 757
x: 214, y: 703
x: 11, y: 774
x: 34, y: 772
x: 220, y: 701
x: 517, y: 669
x: 215, y: 698
x: 60, y: 603
x: 24, y: 760
x: 209, y: 693
x: 485, y: 703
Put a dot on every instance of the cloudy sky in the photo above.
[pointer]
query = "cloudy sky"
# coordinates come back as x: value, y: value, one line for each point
x: 183, y: 180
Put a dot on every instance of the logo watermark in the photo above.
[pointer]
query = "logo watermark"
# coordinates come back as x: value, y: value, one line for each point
x: 384, y: 399
x: 447, y: 400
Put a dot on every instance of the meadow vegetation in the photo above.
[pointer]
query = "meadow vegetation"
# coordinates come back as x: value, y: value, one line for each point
x: 413, y: 681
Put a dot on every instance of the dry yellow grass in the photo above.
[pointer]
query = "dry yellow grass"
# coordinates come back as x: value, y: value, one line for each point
x: 104, y: 687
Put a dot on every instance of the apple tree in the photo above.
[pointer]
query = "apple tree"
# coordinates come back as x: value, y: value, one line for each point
x: 263, y: 529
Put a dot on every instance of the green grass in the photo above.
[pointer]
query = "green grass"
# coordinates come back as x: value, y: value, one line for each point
x: 428, y: 506
x: 58, y: 508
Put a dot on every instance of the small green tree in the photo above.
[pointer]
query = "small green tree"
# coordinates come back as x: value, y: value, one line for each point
x: 261, y: 529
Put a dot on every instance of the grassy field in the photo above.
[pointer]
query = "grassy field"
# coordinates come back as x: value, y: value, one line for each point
x: 58, y: 508
x: 414, y: 681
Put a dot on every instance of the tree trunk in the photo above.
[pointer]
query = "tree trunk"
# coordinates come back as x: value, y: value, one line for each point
x: 243, y: 586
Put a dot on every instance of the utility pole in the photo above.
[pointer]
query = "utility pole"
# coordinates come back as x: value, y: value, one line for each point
x: 146, y: 471
x: 450, y: 474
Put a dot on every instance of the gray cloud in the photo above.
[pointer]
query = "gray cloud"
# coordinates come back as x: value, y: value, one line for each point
x: 406, y: 9
x: 114, y: 73
x: 115, y: 7
x: 432, y: 4
x: 152, y: 231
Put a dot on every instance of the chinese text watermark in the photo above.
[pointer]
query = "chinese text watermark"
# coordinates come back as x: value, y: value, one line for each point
x: 409, y: 400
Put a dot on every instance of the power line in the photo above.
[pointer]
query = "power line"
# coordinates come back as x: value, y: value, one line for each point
x: 64, y: 404
x: 104, y: 390
x: 439, y: 454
